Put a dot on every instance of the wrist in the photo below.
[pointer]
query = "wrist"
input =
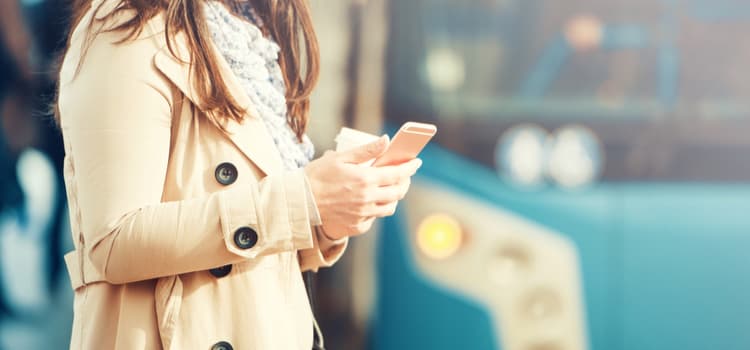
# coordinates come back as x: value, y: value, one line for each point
x: 325, y: 235
x: 312, y: 206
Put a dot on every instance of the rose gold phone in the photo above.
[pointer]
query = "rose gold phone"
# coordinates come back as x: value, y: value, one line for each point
x: 408, y: 142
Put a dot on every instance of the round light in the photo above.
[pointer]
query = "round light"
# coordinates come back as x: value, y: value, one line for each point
x: 445, y: 69
x: 575, y: 156
x: 584, y: 32
x: 521, y: 155
x: 439, y: 236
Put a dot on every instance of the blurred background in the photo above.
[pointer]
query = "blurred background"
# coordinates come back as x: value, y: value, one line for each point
x: 588, y: 187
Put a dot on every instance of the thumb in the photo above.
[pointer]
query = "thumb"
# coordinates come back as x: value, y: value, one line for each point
x: 366, y: 152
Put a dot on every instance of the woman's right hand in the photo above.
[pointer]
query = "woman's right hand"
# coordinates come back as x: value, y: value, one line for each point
x: 349, y: 196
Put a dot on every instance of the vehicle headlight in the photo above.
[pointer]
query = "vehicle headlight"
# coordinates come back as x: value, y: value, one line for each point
x: 575, y: 156
x: 520, y: 155
x: 439, y: 236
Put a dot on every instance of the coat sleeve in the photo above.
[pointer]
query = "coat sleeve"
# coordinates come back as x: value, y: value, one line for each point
x: 116, y: 125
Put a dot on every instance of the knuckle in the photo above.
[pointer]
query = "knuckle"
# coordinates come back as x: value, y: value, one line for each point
x: 339, y: 167
x: 372, y: 148
x: 362, y: 198
x: 394, y: 178
x: 362, y: 178
x: 370, y: 178
x: 361, y: 210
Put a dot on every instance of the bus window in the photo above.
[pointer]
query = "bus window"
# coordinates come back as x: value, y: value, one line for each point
x: 659, y: 84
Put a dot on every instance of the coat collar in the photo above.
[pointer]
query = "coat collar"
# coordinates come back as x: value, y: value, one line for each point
x: 250, y: 136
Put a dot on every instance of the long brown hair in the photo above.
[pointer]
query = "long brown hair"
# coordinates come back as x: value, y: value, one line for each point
x: 288, y: 22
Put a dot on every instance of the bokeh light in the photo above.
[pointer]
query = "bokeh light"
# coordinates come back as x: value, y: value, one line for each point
x: 439, y: 236
x: 575, y: 156
x: 584, y: 32
x: 445, y: 69
x: 520, y: 154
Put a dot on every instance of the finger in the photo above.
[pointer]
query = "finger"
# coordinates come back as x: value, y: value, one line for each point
x: 365, y: 152
x: 366, y: 210
x: 387, y: 194
x: 387, y: 209
x: 365, y: 225
x: 404, y: 186
x: 396, y: 193
x: 390, y: 175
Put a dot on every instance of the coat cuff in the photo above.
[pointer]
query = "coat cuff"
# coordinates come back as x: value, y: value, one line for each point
x: 269, y: 218
x: 325, y: 251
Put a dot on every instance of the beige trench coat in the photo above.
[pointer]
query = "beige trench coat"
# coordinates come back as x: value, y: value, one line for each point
x: 186, y: 237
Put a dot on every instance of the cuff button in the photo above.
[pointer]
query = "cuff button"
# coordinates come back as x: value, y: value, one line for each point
x: 226, y: 173
x: 245, y: 237
x: 220, y: 272
x: 222, y: 345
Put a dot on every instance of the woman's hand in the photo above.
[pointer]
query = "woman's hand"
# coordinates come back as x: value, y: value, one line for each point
x: 349, y: 196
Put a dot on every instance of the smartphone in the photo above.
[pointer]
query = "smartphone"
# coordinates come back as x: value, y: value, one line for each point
x: 408, y: 142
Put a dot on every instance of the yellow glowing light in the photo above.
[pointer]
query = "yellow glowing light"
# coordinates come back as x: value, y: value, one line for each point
x: 439, y: 236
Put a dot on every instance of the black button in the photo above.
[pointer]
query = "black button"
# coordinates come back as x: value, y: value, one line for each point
x: 226, y: 173
x: 220, y: 272
x: 222, y: 345
x: 245, y: 237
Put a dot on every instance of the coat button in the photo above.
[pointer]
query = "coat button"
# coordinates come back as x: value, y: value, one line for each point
x: 226, y: 173
x: 222, y: 345
x: 220, y: 272
x: 245, y: 237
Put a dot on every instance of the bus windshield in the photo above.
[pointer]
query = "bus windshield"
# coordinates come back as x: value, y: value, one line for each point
x: 663, y: 87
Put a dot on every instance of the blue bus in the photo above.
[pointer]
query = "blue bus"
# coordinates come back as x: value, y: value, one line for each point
x: 589, y: 186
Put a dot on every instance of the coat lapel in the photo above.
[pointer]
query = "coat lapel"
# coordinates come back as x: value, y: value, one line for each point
x: 250, y: 136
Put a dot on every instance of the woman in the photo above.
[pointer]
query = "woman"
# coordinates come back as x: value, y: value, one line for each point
x: 192, y: 203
